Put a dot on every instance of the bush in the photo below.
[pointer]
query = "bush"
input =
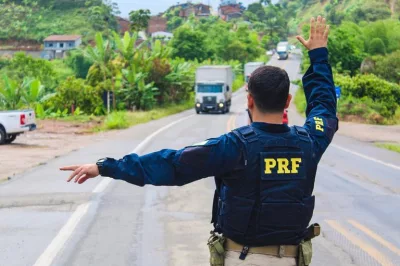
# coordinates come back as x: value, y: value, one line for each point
x: 378, y: 94
x: 387, y: 67
x: 75, y: 93
x: 116, y: 120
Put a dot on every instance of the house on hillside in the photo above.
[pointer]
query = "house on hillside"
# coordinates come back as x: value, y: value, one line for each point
x: 124, y: 25
x: 230, y: 9
x: 157, y: 24
x: 188, y: 9
x: 59, y: 44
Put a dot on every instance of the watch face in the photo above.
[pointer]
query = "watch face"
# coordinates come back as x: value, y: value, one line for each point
x: 100, y: 161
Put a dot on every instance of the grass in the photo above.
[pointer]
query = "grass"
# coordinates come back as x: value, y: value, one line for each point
x: 389, y: 146
x: 238, y: 83
x: 300, y: 101
x: 121, y: 120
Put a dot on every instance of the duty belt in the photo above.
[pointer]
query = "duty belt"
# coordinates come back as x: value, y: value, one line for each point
x: 275, y: 250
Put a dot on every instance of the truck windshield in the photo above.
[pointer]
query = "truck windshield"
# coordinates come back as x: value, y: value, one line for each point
x: 209, y: 88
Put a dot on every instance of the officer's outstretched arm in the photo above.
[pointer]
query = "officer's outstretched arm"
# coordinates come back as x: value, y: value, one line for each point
x: 178, y: 167
x: 319, y: 88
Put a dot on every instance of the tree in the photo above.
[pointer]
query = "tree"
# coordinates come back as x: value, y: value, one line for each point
x: 79, y: 64
x: 189, y: 44
x: 73, y: 93
x: 139, y: 19
x: 377, y: 46
x: 22, y: 66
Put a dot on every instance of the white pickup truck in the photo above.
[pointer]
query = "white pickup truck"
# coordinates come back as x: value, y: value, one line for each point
x: 14, y: 123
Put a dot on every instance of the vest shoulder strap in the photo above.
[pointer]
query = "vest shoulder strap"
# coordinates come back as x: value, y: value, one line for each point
x: 302, y: 133
x: 246, y: 134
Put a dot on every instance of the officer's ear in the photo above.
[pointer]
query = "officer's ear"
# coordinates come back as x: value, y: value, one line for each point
x: 250, y: 101
x: 289, y: 98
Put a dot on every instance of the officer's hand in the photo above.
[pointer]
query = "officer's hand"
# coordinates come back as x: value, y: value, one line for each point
x: 319, y: 32
x: 81, y: 172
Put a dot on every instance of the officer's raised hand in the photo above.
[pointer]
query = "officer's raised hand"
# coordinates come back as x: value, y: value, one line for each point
x: 319, y: 32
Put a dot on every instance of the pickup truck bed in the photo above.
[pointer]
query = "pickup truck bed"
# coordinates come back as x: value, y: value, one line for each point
x: 14, y: 123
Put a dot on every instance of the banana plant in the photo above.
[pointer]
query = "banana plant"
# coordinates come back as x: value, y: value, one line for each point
x: 10, y: 94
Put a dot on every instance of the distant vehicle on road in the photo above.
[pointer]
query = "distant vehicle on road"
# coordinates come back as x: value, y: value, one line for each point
x: 283, y: 49
x: 250, y: 67
x: 14, y: 123
x: 213, y: 89
x: 270, y: 52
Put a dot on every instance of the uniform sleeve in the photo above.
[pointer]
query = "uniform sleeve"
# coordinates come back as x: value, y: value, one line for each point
x: 213, y: 157
x: 319, y: 90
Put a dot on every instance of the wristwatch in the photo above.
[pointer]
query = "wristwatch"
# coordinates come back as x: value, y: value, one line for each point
x: 100, y: 165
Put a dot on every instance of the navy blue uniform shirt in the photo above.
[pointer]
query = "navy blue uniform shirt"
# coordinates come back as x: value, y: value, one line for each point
x: 222, y: 155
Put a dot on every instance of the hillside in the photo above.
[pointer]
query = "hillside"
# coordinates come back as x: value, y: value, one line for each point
x: 32, y: 21
x: 299, y: 11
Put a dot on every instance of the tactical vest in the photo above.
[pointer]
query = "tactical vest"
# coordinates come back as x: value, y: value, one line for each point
x: 270, y: 202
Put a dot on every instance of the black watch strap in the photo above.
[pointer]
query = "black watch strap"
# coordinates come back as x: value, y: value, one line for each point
x: 100, y: 165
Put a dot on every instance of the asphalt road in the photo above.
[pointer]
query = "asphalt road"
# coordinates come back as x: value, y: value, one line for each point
x: 45, y: 221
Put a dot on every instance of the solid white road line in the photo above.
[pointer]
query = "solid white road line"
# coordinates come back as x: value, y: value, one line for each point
x: 366, y: 157
x: 59, y: 241
x: 48, y: 256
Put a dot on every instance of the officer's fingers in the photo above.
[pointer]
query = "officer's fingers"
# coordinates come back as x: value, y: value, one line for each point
x: 83, y: 178
x: 301, y: 39
x: 69, y: 168
x: 319, y: 29
x: 82, y: 172
x: 323, y: 26
x: 74, y: 173
x: 312, y: 27
x: 326, y: 33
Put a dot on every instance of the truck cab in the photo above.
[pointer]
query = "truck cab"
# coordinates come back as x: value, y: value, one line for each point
x: 249, y: 68
x: 283, y: 49
x: 213, y: 89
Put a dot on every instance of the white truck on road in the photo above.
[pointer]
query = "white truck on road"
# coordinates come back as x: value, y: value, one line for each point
x: 249, y: 68
x: 14, y: 123
x: 213, y: 89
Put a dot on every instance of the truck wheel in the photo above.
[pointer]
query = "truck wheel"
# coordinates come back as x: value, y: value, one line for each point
x: 197, y: 112
x: 3, y: 136
x: 10, y: 138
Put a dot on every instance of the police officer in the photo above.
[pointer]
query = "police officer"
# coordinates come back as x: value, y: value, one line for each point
x: 264, y: 172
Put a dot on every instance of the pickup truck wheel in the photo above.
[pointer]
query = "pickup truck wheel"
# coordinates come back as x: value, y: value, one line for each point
x: 10, y: 138
x: 3, y: 136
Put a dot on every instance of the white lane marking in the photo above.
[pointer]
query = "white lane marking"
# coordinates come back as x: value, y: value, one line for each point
x: 47, y: 257
x: 59, y: 241
x: 103, y: 184
x: 366, y: 157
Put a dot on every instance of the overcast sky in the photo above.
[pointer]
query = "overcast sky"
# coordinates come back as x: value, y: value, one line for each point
x: 157, y: 6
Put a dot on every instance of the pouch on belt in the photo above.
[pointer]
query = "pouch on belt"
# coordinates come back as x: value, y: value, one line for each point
x: 217, y: 251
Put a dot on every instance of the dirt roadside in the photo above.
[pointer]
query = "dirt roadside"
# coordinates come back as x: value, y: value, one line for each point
x: 51, y: 139
x: 55, y: 138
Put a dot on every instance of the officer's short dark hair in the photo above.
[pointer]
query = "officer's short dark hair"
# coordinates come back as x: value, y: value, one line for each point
x: 269, y: 87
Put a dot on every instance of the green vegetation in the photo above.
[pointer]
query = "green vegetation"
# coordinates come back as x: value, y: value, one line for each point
x: 120, y: 120
x: 389, y: 146
x: 36, y: 20
x: 364, y: 51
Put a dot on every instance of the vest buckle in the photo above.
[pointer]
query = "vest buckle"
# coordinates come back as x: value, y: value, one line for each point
x: 281, y: 252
